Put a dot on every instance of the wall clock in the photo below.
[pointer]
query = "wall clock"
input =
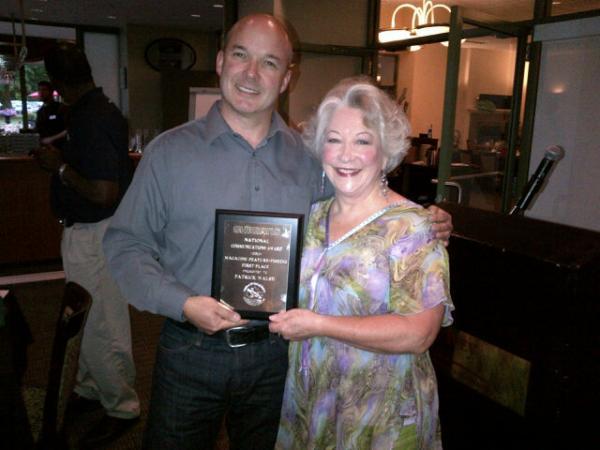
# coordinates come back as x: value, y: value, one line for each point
x: 170, y: 53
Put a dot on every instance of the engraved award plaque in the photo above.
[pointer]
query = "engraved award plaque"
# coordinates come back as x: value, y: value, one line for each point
x: 256, y: 261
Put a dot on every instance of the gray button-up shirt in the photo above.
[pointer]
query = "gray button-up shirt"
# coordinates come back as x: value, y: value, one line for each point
x: 159, y: 245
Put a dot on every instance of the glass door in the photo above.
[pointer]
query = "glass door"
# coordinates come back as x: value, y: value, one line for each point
x: 482, y: 109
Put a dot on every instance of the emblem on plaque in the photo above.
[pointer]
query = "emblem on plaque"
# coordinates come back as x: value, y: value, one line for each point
x: 254, y: 294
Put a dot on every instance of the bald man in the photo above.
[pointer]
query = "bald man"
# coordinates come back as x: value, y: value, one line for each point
x: 211, y: 364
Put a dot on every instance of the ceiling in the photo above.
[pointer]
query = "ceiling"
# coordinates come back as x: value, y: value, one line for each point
x: 205, y: 16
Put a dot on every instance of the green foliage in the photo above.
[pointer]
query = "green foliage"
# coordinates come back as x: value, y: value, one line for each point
x: 33, y: 74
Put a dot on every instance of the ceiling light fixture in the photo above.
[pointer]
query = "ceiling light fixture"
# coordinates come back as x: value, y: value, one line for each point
x: 423, y: 23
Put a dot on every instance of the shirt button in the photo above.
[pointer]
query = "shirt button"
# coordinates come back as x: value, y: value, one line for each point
x: 257, y: 188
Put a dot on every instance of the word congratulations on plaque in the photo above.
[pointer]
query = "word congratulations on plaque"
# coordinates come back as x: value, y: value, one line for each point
x: 256, y: 261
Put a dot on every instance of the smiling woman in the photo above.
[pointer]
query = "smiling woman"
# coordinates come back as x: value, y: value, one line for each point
x: 373, y: 291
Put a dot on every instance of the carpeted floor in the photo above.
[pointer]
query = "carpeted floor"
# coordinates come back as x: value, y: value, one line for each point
x: 40, y: 303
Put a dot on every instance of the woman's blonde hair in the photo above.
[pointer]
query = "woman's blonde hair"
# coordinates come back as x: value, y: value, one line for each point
x: 381, y: 114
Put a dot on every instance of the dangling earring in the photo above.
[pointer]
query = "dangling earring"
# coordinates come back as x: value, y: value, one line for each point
x: 322, y: 182
x: 384, y: 184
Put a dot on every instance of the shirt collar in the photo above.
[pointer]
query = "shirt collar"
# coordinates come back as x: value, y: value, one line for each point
x: 216, y: 125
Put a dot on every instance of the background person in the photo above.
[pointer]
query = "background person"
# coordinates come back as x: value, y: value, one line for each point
x: 50, y: 121
x: 374, y: 290
x: 89, y: 178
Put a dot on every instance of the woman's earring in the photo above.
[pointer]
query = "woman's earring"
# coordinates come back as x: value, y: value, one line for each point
x: 384, y: 184
x: 322, y: 182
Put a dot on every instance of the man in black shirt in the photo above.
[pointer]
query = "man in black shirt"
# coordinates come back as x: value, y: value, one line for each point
x: 50, y: 118
x: 90, y: 175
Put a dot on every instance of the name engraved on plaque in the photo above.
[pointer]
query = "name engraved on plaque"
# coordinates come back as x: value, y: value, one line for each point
x: 255, y: 265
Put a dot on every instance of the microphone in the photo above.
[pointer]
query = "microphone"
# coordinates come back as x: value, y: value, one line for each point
x: 553, y: 153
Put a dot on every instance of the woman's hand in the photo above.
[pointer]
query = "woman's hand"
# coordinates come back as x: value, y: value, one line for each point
x: 295, y: 324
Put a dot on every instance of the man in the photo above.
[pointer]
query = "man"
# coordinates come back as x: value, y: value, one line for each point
x: 89, y: 178
x: 160, y: 246
x: 50, y: 118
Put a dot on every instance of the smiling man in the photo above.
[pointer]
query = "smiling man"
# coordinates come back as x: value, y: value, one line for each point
x: 254, y: 70
x: 242, y: 156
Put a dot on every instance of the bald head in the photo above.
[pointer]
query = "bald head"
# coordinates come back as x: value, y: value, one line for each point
x: 264, y: 23
x: 254, y: 69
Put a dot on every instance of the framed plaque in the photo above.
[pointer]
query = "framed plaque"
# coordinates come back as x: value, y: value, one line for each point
x: 256, y: 261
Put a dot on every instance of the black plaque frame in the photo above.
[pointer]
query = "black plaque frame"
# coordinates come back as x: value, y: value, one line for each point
x: 222, y: 282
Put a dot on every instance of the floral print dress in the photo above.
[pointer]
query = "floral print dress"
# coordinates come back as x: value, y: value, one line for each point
x: 338, y: 396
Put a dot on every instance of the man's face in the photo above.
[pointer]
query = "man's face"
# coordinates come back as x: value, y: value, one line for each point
x: 45, y: 93
x: 254, y: 69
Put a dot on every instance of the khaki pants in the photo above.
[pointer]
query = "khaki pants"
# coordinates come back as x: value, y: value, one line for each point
x: 106, y: 369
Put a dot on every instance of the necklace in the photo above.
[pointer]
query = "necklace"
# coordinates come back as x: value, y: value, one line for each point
x: 354, y: 229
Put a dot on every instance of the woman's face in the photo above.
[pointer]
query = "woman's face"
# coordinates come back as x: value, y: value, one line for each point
x: 352, y: 158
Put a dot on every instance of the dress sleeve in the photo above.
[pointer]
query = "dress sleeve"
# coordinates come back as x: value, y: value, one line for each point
x: 419, y: 270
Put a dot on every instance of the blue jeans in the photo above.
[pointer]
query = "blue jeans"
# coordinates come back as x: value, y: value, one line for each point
x: 199, y: 379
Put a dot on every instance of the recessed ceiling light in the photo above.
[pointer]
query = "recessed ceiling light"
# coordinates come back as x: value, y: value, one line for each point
x: 556, y: 3
x: 217, y: 5
x: 195, y: 15
x: 111, y: 17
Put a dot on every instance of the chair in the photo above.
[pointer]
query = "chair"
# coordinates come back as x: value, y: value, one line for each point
x: 15, y: 337
x: 47, y: 422
x: 424, y: 147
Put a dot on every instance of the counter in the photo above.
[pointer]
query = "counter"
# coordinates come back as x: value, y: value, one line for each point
x: 28, y: 230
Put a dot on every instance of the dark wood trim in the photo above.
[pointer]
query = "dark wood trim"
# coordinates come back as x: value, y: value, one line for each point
x: 230, y: 15
x: 94, y: 28
x: 508, y: 192
x: 342, y: 50
x: 450, y: 95
x: 567, y: 17
x: 369, y: 62
x: 541, y: 9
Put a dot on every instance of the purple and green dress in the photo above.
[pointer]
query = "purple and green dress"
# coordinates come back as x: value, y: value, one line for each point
x: 338, y: 396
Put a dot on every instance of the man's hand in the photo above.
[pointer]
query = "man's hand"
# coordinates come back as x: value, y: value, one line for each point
x: 48, y: 157
x: 442, y: 223
x: 209, y: 315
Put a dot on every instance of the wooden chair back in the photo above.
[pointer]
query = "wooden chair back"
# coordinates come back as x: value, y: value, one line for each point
x: 71, y: 321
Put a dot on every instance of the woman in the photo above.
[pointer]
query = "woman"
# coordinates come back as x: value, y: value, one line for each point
x: 374, y: 292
